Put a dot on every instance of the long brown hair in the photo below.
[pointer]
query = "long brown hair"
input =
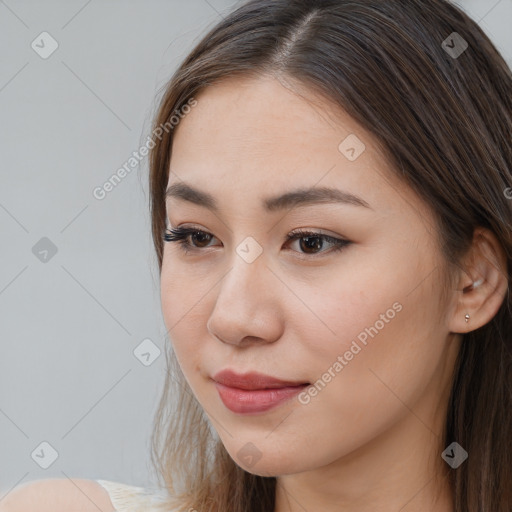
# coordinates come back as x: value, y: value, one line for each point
x: 444, y: 120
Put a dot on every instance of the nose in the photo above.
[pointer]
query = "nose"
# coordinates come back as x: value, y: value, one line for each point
x: 247, y: 308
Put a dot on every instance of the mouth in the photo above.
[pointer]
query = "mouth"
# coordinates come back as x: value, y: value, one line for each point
x: 253, y: 380
x: 254, y: 393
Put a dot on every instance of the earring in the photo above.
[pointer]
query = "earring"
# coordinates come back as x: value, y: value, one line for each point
x: 467, y: 318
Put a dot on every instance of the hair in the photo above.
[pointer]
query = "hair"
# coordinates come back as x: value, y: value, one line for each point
x: 445, y: 125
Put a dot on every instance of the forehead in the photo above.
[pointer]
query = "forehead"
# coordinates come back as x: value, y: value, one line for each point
x: 250, y: 137
x: 265, y: 113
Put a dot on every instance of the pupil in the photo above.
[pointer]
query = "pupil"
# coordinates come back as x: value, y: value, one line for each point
x: 309, y: 245
x: 201, y: 235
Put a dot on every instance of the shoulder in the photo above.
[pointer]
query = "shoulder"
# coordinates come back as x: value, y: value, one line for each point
x: 57, y: 495
x: 131, y: 498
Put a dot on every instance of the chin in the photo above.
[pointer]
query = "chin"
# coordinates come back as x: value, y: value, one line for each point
x: 272, y: 468
x: 270, y: 461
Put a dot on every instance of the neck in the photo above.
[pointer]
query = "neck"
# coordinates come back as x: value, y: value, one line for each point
x: 401, y: 470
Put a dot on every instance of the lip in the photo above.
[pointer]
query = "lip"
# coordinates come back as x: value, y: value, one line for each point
x: 252, y: 380
x: 253, y: 392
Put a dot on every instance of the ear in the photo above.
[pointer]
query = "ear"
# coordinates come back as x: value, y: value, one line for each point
x: 482, y: 284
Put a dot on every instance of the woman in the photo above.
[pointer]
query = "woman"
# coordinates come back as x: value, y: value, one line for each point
x: 331, y: 211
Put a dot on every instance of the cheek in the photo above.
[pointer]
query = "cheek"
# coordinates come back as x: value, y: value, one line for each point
x: 385, y: 352
x: 387, y: 342
x: 352, y: 325
x: 181, y: 290
x: 182, y: 301
x: 382, y: 317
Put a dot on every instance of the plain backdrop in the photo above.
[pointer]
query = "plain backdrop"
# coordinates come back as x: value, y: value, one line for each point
x: 82, y: 336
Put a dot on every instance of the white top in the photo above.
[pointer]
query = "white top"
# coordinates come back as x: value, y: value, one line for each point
x: 130, y: 498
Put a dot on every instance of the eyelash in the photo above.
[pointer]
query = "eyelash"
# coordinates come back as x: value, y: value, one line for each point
x: 181, y: 235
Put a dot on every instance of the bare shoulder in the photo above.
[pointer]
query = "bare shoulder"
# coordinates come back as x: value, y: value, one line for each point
x: 57, y: 495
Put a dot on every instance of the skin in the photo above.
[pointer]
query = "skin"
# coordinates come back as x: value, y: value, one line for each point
x: 371, y: 439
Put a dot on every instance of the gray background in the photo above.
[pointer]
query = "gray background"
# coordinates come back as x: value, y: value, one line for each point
x: 70, y: 321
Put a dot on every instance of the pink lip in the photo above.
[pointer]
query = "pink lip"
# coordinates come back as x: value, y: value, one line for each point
x: 254, y: 392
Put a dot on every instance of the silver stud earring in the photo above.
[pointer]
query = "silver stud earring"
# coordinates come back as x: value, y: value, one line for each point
x: 467, y: 318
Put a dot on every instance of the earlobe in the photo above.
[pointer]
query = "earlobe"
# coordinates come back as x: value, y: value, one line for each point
x: 483, y: 284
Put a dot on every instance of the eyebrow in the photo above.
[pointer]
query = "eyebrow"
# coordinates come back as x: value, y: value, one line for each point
x: 291, y: 199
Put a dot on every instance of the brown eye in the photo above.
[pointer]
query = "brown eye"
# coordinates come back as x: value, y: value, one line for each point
x: 202, y: 236
x: 182, y: 236
x: 311, y: 243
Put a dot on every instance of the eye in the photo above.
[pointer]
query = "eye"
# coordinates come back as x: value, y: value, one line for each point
x: 312, y: 241
x: 309, y: 241
x: 181, y: 235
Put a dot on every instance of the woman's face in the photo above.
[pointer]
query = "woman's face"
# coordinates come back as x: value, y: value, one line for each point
x: 365, y: 326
